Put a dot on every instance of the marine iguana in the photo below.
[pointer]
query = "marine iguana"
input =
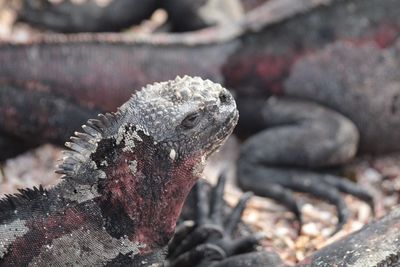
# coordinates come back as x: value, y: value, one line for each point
x: 126, y: 178
x: 85, y: 74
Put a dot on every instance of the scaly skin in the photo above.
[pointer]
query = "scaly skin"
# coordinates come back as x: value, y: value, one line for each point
x: 88, y: 74
x: 125, y: 181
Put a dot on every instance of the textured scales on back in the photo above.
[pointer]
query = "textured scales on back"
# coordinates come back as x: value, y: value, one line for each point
x: 125, y: 180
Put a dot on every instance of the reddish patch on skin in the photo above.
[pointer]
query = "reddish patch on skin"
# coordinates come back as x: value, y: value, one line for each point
x: 71, y: 219
x: 386, y: 35
x: 263, y: 74
x: 42, y: 232
x: 272, y: 70
x: 260, y: 70
x: 176, y: 192
x: 249, y: 74
x: 161, y: 217
x: 153, y: 206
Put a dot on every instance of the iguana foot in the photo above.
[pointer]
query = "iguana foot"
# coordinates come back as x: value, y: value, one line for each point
x: 278, y: 184
x: 210, y: 239
x: 298, y: 140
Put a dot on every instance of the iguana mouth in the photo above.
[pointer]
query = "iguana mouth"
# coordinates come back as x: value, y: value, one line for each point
x: 223, y: 132
x: 230, y: 124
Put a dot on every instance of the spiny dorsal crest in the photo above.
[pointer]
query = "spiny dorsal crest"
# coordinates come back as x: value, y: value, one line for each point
x: 154, y: 110
x: 82, y: 145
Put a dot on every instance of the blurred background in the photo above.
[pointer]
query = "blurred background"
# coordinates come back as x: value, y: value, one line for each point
x: 380, y: 175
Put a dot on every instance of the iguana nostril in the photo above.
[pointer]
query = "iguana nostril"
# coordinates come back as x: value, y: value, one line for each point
x: 223, y: 97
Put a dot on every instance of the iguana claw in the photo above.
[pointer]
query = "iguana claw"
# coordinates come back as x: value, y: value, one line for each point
x: 211, y: 238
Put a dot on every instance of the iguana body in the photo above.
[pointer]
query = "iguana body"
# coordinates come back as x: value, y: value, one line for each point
x: 85, y: 74
x: 125, y: 181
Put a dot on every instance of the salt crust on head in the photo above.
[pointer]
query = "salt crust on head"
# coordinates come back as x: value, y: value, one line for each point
x: 155, y: 110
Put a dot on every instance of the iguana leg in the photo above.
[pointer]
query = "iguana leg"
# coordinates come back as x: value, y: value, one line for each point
x: 298, y: 137
x: 86, y: 17
x: 209, y: 240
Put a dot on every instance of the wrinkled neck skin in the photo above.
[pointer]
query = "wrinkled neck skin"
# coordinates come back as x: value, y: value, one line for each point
x: 144, y: 189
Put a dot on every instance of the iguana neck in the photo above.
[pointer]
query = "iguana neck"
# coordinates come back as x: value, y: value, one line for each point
x: 148, y: 195
x: 140, y: 187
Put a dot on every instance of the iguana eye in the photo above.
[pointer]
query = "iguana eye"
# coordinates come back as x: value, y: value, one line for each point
x: 191, y: 120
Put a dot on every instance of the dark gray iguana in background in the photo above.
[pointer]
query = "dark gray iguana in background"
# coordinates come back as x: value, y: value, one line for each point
x: 126, y: 178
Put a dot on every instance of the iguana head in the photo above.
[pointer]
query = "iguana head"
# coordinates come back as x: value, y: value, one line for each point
x: 140, y: 163
x: 187, y: 115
